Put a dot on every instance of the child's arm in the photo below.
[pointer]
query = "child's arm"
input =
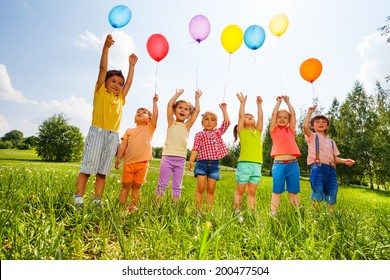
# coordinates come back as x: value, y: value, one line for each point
x: 193, y: 156
x: 293, y: 118
x: 275, y: 113
x: 121, y: 151
x: 153, y: 121
x: 130, y: 75
x: 259, y: 125
x: 104, y: 61
x: 241, y: 112
x: 170, y: 106
x: 306, y: 122
x: 223, y: 107
x: 195, y: 114
x: 346, y: 161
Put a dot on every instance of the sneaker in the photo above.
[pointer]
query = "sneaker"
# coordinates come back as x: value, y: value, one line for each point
x: 97, y: 203
x: 273, y: 214
x: 237, y: 212
x: 79, y: 207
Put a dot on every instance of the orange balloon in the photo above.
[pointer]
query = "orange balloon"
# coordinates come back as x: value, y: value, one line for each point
x: 310, y: 69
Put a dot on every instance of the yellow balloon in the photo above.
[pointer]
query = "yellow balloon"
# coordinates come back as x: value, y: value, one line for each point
x: 278, y: 24
x: 231, y: 38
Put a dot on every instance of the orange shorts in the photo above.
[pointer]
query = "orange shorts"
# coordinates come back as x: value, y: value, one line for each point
x: 135, y: 172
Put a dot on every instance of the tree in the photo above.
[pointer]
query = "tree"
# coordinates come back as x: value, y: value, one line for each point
x: 385, y: 31
x: 59, y: 141
x: 14, y: 136
x: 267, y: 146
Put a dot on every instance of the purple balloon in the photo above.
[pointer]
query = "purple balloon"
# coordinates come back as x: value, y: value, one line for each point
x: 199, y: 28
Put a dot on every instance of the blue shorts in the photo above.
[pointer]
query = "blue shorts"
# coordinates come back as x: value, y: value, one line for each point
x: 286, y: 176
x: 323, y: 180
x: 248, y: 172
x: 209, y: 168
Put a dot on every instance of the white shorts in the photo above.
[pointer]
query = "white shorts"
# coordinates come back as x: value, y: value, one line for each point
x: 100, y: 148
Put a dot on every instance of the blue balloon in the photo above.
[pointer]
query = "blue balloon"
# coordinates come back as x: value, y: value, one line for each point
x: 119, y: 16
x: 254, y: 37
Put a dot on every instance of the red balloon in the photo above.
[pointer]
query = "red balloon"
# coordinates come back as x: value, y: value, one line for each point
x: 157, y: 46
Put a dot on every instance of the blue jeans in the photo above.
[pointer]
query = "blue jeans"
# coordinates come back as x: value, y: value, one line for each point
x: 323, y: 180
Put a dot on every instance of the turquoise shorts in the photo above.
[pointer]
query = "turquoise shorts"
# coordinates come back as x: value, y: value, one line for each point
x: 248, y: 172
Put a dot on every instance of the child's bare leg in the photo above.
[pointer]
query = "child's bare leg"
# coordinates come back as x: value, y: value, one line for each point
x: 251, y: 192
x: 210, y: 192
x: 99, y: 185
x: 82, y: 180
x: 135, y: 194
x: 275, y: 201
x: 294, y: 200
x: 201, y: 183
x: 124, y: 192
x: 240, y: 189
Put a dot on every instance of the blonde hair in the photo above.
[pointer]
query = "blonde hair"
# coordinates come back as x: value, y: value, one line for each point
x: 209, y: 113
x: 284, y: 110
x: 192, y: 108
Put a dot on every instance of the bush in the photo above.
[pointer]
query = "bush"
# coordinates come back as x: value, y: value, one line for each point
x: 59, y: 141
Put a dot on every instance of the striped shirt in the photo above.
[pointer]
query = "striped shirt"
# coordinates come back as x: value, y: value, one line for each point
x: 209, y: 143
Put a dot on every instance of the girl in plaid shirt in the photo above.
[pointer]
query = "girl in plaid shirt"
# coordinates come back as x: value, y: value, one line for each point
x: 208, y: 149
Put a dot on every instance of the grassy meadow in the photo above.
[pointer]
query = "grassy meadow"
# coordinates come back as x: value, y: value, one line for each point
x: 38, y: 220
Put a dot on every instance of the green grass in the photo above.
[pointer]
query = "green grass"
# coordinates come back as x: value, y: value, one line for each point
x: 38, y: 221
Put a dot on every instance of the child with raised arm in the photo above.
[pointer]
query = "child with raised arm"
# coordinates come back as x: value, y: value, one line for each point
x: 248, y: 173
x: 285, y: 151
x: 102, y: 140
x: 181, y: 115
x: 323, y: 155
x: 136, y: 147
x: 208, y: 148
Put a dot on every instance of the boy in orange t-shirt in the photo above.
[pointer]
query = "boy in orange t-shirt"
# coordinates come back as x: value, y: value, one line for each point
x: 136, y: 147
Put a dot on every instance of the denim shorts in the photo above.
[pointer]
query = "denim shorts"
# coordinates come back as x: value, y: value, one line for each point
x: 323, y: 180
x: 209, y: 168
x: 248, y: 172
x: 285, y: 176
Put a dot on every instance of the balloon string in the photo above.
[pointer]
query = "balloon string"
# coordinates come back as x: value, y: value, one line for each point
x: 280, y: 68
x: 155, y: 82
x: 227, y: 74
x: 196, y: 70
x: 315, y: 99
x: 254, y: 60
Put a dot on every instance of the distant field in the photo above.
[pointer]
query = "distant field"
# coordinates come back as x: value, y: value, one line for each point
x: 38, y: 221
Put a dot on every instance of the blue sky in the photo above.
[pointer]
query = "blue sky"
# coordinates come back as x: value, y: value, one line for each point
x: 50, y: 51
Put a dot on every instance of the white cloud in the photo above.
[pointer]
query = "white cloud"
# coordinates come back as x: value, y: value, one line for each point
x: 4, y: 125
x: 119, y: 53
x: 376, y: 61
x: 77, y: 110
x: 7, y: 92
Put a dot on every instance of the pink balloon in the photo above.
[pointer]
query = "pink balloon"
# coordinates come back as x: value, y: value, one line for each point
x: 157, y: 46
x: 199, y: 28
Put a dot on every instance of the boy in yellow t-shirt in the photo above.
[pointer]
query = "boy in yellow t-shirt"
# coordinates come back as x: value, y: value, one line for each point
x: 136, y: 147
x: 102, y: 140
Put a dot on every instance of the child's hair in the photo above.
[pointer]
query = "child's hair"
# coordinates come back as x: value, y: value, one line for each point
x: 235, y: 132
x: 111, y: 73
x: 235, y: 129
x: 319, y: 117
x: 147, y: 110
x: 284, y: 110
x: 192, y: 108
x: 209, y: 113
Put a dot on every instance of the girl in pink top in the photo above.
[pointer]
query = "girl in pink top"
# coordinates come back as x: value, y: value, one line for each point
x: 285, y: 151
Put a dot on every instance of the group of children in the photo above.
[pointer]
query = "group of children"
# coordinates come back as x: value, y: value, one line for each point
x: 102, y: 144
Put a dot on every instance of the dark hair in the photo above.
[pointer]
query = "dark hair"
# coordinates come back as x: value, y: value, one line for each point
x: 111, y: 73
x: 235, y: 132
x: 192, y: 108
x: 319, y: 117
